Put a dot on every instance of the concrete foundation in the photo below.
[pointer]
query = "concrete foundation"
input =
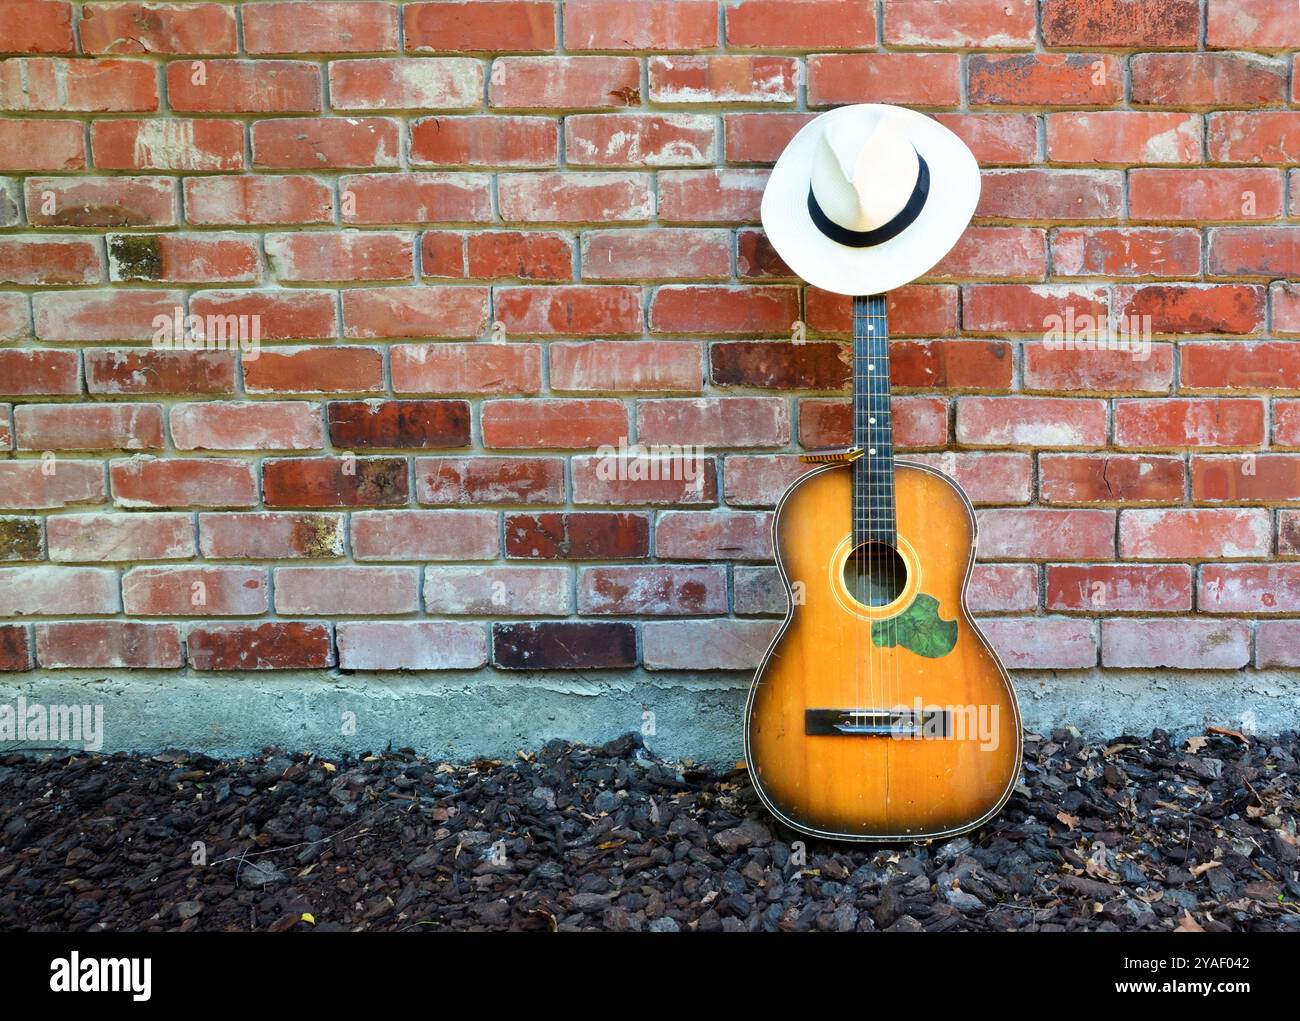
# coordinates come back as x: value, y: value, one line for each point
x: 683, y: 716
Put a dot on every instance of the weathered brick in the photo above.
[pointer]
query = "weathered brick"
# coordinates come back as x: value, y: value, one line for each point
x: 918, y: 422
x: 706, y: 644
x: 714, y: 535
x: 164, y: 28
x: 34, y: 145
x: 1166, y: 24
x: 37, y: 373
x: 985, y: 476
x: 316, y: 370
x: 1246, y: 478
x: 1045, y: 79
x: 314, y: 143
x: 715, y: 421
x: 425, y: 535
x: 261, y: 200
x: 49, y: 484
x: 411, y: 645
x: 640, y: 25
x: 587, y: 535
x: 781, y: 365
x: 654, y: 366
x: 275, y: 645
x: 960, y: 24
x: 498, y: 591
x: 801, y: 24
x: 1190, y: 422
x: 553, y: 423
x: 664, y: 590
x: 404, y: 83
x: 244, y: 86
x: 52, y: 85
x: 1251, y: 24
x: 724, y: 78
x: 483, y: 26
x: 49, y: 590
x: 915, y: 79
x: 1043, y: 643
x: 1206, y: 79
x: 528, y: 255
x: 1118, y: 369
x: 1194, y: 534
x: 174, y: 144
x: 1040, y: 193
x: 271, y: 535
x: 1126, y: 252
x: 1185, y: 644
x: 640, y: 140
x: 301, y: 26
x: 101, y: 202
x: 564, y: 645
x: 1119, y: 588
x: 415, y: 198
x: 507, y: 480
x: 482, y: 141
x: 668, y: 254
x: 109, y: 644
x: 1277, y: 643
x: 247, y: 425
x: 1003, y: 588
x: 335, y: 482
x: 576, y: 83
x: 1193, y: 308
x: 726, y: 195
x: 145, y: 481
x: 576, y: 310
x: 1032, y: 533
x: 1253, y: 136
x: 371, y: 313
x: 21, y: 538
x: 644, y: 476
x: 472, y: 368
x: 217, y: 591
x: 1111, y: 478
x: 39, y: 26
x: 575, y: 197
x: 1249, y: 588
x: 183, y: 258
x: 281, y: 314
x: 335, y: 591
x: 83, y: 538
x: 1123, y: 136
x: 15, y: 648
x: 1031, y: 421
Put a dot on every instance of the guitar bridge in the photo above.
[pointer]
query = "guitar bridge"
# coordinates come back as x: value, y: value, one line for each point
x: 840, y: 455
x: 876, y: 723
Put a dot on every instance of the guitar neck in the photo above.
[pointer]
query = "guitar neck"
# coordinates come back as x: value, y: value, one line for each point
x: 873, y: 425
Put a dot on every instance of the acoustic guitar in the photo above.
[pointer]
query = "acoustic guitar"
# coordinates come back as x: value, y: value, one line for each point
x: 879, y: 712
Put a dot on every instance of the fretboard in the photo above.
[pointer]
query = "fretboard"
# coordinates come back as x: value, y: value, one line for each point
x: 873, y: 428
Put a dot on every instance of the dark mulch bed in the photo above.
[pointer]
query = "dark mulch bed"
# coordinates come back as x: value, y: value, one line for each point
x: 1140, y: 834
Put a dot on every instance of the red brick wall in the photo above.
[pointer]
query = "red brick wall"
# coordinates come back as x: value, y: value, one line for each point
x: 486, y: 238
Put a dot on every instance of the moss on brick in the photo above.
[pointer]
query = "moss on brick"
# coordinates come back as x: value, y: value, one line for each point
x: 318, y: 535
x: 136, y: 256
x: 20, y: 539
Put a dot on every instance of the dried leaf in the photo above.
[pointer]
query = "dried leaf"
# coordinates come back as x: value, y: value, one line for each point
x: 1188, y: 924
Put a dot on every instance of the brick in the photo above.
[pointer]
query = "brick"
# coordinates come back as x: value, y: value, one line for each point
x: 960, y: 24
x: 996, y: 139
x: 109, y: 644
x: 219, y: 591
x: 395, y: 424
x: 1003, y: 588
x: 1019, y: 308
x: 332, y: 591
x: 321, y: 257
x: 1249, y: 588
x: 163, y: 28
x: 485, y: 141
x: 31, y: 145
x: 1193, y: 308
x: 100, y: 202
x: 1277, y: 643
x: 758, y: 480
x: 49, y: 485
x: 244, y: 86
x: 711, y: 644
x: 654, y: 366
x: 1031, y: 421
x: 658, y: 254
x: 916, y: 79
x: 1119, y: 588
x: 1034, y: 533
x: 21, y: 538
x: 1206, y: 79
x: 1123, y: 136
x: 640, y: 476
x: 759, y: 137
x: 1127, y: 252
x: 39, y: 26
x: 15, y: 648
x: 914, y: 311
x: 371, y: 313
x: 1122, y: 24
x: 52, y: 85
x: 1040, y: 193
x: 174, y: 144
x: 1045, y: 79
x: 715, y: 421
x: 801, y: 24
x: 553, y: 423
x: 714, y: 535
x: 759, y: 591
x: 1010, y: 253
x: 481, y: 26
x: 89, y: 427
x: 472, y: 368
x: 1254, y: 251
x: 640, y: 25
x: 723, y: 78
x: 918, y: 422
x: 1194, y: 533
x: 756, y: 259
x: 247, y: 425
x: 640, y: 140
x: 313, y: 143
x: 144, y: 481
x: 1254, y: 137
x: 1043, y: 643
x: 662, y: 590
x: 451, y: 481
x: 1133, y: 369
x: 355, y: 26
x: 1186, y: 644
x: 781, y: 365
x: 1200, y: 195
x: 727, y: 195
x: 1246, y: 478
x: 560, y: 82
x: 15, y: 319
x: 263, y: 535
x: 1251, y: 24
x: 1285, y: 301
x: 282, y: 315
x: 1219, y: 365
x: 987, y: 477
x: 183, y: 258
x: 31, y: 373
x: 723, y: 309
x: 573, y: 311
x: 564, y: 645
x: 276, y: 645
x: 262, y: 200
x: 48, y: 590
x: 1190, y: 422
x: 527, y: 255
x: 575, y: 197
x: 1111, y: 478
x: 411, y: 645
x: 498, y: 591
x: 416, y: 198
x: 404, y: 83
x: 316, y: 370
x: 335, y: 482
x: 587, y: 535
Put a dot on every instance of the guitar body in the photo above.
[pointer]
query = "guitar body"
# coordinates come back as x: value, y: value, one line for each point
x: 886, y: 720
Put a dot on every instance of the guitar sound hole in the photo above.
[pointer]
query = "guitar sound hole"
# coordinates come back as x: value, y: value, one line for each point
x: 875, y: 574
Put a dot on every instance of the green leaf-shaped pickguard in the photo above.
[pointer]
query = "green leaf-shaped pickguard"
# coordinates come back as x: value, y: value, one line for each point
x: 917, y: 628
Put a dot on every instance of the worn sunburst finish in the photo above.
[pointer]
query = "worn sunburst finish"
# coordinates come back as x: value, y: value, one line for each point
x: 883, y: 788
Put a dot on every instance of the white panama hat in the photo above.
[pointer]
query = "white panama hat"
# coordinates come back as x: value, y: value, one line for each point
x: 866, y: 198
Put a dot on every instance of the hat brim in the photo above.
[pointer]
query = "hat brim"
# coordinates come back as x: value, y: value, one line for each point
x: 954, y: 193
